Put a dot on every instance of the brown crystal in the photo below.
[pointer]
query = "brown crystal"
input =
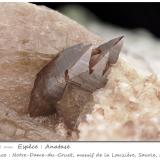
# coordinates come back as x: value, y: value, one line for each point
x: 72, y: 104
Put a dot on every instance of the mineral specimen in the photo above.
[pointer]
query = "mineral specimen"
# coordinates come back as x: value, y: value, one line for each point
x: 126, y: 108
x: 73, y: 66
x: 51, y: 81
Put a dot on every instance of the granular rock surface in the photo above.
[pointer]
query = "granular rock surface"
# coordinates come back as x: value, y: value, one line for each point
x: 126, y: 109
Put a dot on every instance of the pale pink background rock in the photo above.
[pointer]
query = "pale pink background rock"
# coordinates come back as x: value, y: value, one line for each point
x: 29, y: 37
